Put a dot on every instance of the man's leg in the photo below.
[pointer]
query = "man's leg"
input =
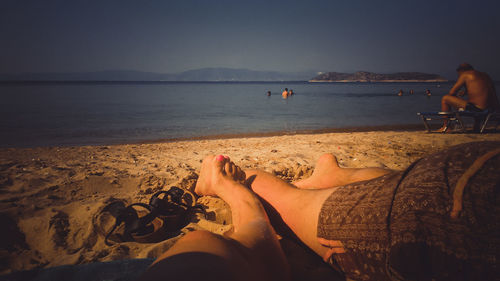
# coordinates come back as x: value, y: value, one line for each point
x: 252, y: 249
x: 448, y: 102
x: 451, y: 101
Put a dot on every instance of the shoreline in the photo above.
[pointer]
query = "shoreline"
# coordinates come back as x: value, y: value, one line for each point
x: 379, y: 128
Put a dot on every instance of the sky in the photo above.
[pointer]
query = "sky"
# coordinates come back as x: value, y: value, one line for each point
x: 296, y: 35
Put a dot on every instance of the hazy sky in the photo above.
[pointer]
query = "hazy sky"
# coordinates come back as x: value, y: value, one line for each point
x: 173, y: 36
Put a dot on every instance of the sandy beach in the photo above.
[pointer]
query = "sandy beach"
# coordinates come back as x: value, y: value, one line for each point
x: 50, y: 196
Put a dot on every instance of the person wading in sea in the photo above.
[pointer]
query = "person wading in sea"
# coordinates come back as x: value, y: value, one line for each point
x: 285, y: 93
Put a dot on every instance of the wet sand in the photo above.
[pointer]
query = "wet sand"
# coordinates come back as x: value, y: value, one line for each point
x: 50, y: 196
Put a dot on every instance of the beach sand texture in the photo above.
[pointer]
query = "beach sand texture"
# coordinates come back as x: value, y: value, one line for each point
x: 50, y: 196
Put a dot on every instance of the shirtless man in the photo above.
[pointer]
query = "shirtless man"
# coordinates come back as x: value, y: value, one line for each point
x: 285, y: 93
x: 479, y: 88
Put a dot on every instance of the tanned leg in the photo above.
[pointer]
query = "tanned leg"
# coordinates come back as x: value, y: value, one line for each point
x: 300, y: 207
x: 252, y: 248
x: 447, y: 102
x: 327, y: 173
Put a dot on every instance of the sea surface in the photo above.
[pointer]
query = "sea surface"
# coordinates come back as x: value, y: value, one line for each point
x: 95, y: 113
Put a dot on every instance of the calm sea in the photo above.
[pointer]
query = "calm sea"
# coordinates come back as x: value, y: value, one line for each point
x: 46, y: 114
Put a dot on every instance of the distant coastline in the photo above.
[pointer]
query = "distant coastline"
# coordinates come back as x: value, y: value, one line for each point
x: 367, y: 77
x: 223, y: 75
x: 378, y: 81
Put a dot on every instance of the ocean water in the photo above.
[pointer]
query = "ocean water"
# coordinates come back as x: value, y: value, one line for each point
x: 48, y: 114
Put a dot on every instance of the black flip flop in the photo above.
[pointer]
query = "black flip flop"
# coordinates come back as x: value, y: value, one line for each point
x: 164, y: 217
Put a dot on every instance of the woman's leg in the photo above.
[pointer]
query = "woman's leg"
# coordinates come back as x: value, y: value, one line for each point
x: 327, y: 173
x: 300, y: 207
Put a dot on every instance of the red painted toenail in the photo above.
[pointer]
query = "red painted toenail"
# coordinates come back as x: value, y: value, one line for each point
x: 219, y: 158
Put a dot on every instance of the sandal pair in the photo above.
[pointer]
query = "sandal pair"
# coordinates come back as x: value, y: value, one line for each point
x: 163, y: 217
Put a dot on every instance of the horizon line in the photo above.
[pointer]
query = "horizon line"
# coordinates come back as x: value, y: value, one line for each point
x: 209, y: 81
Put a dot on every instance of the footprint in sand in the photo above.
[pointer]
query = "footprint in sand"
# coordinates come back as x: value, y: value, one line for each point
x: 59, y: 227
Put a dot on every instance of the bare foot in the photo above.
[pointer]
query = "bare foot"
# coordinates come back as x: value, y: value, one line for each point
x: 216, y: 172
x: 233, y: 171
x: 441, y: 130
x: 324, y: 175
x: 328, y: 174
x: 220, y: 177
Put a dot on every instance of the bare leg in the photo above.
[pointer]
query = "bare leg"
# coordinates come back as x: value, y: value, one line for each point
x: 300, y: 207
x: 447, y: 102
x: 327, y: 173
x: 253, y: 248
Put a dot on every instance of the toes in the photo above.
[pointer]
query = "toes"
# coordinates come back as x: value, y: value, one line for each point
x: 229, y: 168
x: 219, y: 162
x: 241, y: 176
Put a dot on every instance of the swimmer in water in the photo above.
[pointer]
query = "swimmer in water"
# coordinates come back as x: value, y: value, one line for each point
x: 285, y: 93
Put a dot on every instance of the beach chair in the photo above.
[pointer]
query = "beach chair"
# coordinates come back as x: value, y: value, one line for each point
x: 491, y: 117
x: 456, y: 119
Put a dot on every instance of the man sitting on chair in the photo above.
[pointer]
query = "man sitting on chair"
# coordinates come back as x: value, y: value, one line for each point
x: 479, y: 88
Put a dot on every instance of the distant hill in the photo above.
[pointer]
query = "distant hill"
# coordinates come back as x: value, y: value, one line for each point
x: 108, y: 75
x: 231, y: 74
x: 204, y: 74
x: 364, y: 76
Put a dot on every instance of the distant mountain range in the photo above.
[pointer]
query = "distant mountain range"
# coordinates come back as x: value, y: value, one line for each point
x: 364, y: 76
x: 203, y: 74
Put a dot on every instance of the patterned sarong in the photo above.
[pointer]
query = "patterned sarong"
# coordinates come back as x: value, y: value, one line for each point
x: 399, y: 226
